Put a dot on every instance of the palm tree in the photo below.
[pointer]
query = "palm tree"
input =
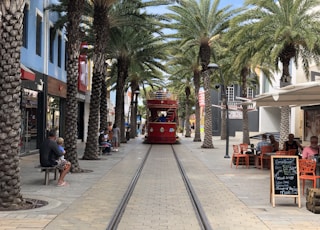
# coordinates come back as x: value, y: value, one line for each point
x: 74, y: 14
x: 140, y: 77
x: 11, y: 13
x: 101, y: 30
x: 72, y: 21
x: 284, y: 31
x: 238, y: 61
x: 199, y: 24
x: 131, y: 48
x: 181, y: 84
x: 188, y: 64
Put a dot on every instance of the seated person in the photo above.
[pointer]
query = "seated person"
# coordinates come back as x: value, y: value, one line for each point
x: 103, y: 141
x: 263, y: 142
x: 291, y: 144
x: 162, y: 118
x: 60, y: 142
x: 312, y: 150
x: 50, y: 156
x: 274, y: 143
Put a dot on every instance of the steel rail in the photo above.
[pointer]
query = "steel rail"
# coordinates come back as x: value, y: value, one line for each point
x: 115, y: 220
x: 201, y: 216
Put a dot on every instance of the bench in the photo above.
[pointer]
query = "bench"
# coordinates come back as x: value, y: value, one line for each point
x: 47, y: 171
x: 101, y: 148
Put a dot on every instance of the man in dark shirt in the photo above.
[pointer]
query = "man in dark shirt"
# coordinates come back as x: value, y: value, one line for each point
x: 50, y: 154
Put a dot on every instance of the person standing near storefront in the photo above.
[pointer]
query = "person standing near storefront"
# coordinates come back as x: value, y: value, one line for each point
x: 115, y: 138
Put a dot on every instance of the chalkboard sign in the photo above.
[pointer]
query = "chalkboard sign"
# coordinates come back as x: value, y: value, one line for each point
x: 284, y: 177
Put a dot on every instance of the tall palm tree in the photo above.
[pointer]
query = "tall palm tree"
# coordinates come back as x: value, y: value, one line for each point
x: 74, y: 13
x: 199, y: 24
x: 284, y: 31
x: 101, y: 27
x: 181, y: 84
x: 188, y: 64
x: 238, y: 60
x: 11, y: 18
x: 139, y: 78
x: 131, y: 48
x: 72, y: 20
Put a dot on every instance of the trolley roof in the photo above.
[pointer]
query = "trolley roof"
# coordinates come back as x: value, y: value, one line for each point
x: 162, y: 99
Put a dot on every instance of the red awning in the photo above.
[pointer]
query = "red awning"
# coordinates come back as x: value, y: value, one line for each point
x: 27, y: 74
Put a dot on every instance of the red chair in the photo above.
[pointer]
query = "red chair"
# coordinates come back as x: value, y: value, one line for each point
x: 292, y: 152
x: 282, y: 153
x: 237, y: 155
x: 262, y: 157
x: 307, y: 171
x: 244, y: 147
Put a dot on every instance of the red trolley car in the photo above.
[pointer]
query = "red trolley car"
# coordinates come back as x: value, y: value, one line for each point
x: 162, y: 118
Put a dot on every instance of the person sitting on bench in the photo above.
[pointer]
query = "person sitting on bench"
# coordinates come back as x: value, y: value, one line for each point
x: 103, y: 141
x: 50, y: 155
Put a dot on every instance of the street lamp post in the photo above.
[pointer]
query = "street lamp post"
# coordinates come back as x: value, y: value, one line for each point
x: 227, y: 120
x: 134, y: 110
x: 224, y: 93
x: 137, y: 92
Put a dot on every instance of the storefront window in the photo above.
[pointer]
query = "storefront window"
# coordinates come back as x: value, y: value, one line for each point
x: 29, y: 106
x: 312, y: 123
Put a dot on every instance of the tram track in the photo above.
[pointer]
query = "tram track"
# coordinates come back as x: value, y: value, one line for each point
x: 201, y: 216
x: 115, y: 220
x: 198, y: 210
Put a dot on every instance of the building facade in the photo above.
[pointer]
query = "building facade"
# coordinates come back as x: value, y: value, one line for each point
x: 235, y: 111
x: 43, y: 74
x: 304, y: 116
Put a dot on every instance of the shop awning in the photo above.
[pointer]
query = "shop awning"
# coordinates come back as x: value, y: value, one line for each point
x: 26, y: 73
x: 307, y: 93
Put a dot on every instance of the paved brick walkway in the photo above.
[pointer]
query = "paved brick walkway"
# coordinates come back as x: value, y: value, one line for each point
x: 232, y: 198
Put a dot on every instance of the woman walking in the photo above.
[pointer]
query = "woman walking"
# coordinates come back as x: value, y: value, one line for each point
x: 115, y: 138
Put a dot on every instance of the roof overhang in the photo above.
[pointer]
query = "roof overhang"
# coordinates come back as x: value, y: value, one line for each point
x: 307, y: 93
x: 26, y: 73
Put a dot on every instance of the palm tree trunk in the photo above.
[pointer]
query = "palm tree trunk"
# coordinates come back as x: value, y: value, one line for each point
x: 101, y: 29
x: 196, y: 82
x: 245, y: 125
x: 132, y: 117
x: 123, y: 66
x: 103, y: 105
x: 284, y: 125
x: 74, y: 17
x: 123, y: 128
x: 188, y: 130
x: 245, y: 120
x: 91, y: 150
x: 207, y: 142
x: 285, y: 110
x: 10, y: 88
x: 134, y: 109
